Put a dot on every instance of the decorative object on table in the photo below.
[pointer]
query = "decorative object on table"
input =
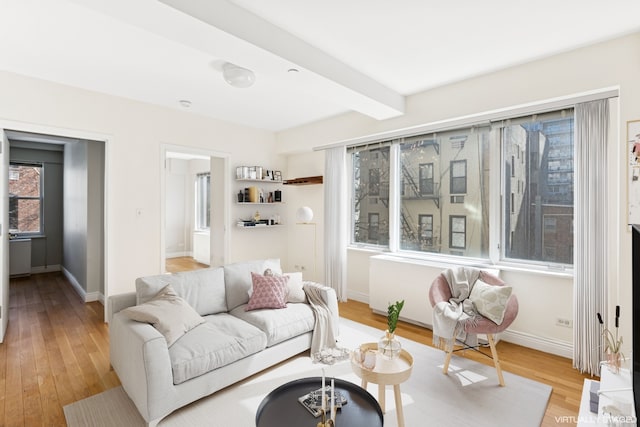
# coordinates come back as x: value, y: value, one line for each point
x: 613, y: 344
x: 329, y: 356
x: 388, y: 346
x: 312, y: 401
x: 365, y: 356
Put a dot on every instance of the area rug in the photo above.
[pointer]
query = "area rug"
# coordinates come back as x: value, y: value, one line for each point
x: 469, y: 395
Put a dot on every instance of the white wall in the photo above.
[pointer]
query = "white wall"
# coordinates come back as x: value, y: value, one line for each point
x: 95, y: 218
x: 305, y: 240
x: 75, y: 208
x: 614, y: 63
x: 177, y: 204
x: 135, y: 133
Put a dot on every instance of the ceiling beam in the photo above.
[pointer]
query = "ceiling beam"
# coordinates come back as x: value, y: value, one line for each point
x: 342, y: 83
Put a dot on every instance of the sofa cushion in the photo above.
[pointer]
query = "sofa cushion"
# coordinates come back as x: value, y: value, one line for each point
x: 268, y: 292
x: 295, y: 293
x: 168, y: 313
x: 203, y: 289
x: 237, y: 279
x: 221, y: 340
x: 490, y: 301
x: 279, y: 325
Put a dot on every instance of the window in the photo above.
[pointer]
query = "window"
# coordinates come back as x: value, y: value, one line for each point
x: 444, y: 152
x: 370, y: 174
x: 373, y: 227
x: 458, y: 177
x: 203, y: 201
x: 458, y: 232
x: 25, y: 198
x: 542, y: 213
x: 374, y: 181
x: 522, y: 166
x: 426, y: 178
x: 426, y: 231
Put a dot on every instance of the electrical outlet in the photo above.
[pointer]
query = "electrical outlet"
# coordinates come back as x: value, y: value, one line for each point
x: 565, y: 323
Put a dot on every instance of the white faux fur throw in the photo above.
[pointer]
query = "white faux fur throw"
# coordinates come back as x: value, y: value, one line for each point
x: 449, y: 316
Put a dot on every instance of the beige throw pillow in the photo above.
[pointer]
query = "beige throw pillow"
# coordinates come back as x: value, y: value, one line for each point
x: 168, y: 313
x: 490, y: 301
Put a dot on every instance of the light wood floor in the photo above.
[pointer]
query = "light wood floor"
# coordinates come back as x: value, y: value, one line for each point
x: 175, y: 265
x: 56, y: 351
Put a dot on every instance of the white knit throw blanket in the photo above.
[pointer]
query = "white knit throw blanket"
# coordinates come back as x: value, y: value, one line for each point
x: 449, y: 317
x: 323, y: 336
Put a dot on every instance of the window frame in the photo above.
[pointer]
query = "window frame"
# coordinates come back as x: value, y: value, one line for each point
x: 496, y: 191
x: 425, y: 181
x: 202, y: 212
x: 452, y: 178
x: 451, y: 232
x: 40, y: 198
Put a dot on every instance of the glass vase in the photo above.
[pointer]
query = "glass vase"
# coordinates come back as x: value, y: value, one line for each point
x: 388, y: 346
x: 614, y: 361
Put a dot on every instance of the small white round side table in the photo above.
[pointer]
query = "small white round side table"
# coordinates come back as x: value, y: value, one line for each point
x: 385, y: 372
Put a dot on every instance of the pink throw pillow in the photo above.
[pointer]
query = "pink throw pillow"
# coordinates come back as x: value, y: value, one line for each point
x: 268, y: 292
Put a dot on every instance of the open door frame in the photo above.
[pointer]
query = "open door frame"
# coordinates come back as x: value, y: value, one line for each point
x: 4, y: 239
x: 220, y: 198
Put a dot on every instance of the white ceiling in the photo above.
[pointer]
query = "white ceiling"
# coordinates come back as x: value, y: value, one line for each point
x: 352, y: 55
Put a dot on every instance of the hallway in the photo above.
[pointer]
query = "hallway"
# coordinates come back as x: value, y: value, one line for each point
x: 56, y: 351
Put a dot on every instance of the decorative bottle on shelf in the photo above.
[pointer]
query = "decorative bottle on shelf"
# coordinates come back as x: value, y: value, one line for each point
x: 240, y: 196
x: 256, y: 217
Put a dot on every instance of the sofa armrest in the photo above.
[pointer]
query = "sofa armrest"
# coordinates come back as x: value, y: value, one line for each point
x: 330, y: 298
x: 140, y: 356
x: 120, y: 302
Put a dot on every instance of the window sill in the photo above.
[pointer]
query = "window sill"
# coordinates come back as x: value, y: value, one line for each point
x: 448, y: 262
x: 28, y: 236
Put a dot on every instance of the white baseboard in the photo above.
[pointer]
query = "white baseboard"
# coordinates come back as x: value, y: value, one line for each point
x: 559, y: 348
x: 45, y: 269
x: 358, y: 296
x: 84, y: 295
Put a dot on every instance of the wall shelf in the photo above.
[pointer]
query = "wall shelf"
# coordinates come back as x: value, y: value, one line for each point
x: 309, y: 180
x: 258, y: 203
x: 268, y: 181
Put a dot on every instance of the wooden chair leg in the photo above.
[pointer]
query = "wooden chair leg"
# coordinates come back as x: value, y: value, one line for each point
x: 496, y: 361
x: 447, y: 360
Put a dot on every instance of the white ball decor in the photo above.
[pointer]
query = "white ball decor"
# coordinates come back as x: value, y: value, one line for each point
x: 304, y: 214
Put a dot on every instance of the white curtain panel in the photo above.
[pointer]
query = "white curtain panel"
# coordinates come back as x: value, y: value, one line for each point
x: 591, y: 189
x: 336, y: 214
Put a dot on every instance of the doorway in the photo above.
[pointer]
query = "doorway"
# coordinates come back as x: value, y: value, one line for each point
x: 66, y: 216
x: 194, y: 210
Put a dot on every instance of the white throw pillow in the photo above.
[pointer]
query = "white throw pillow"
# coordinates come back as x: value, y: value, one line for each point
x: 296, y: 293
x: 168, y: 313
x: 490, y: 301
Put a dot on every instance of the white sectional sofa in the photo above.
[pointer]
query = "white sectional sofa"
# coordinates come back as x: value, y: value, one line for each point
x: 230, y: 345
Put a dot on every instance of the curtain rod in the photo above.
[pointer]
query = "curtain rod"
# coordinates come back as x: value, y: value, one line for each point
x: 478, y: 119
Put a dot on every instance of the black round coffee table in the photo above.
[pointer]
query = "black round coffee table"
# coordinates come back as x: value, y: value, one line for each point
x: 281, y: 406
